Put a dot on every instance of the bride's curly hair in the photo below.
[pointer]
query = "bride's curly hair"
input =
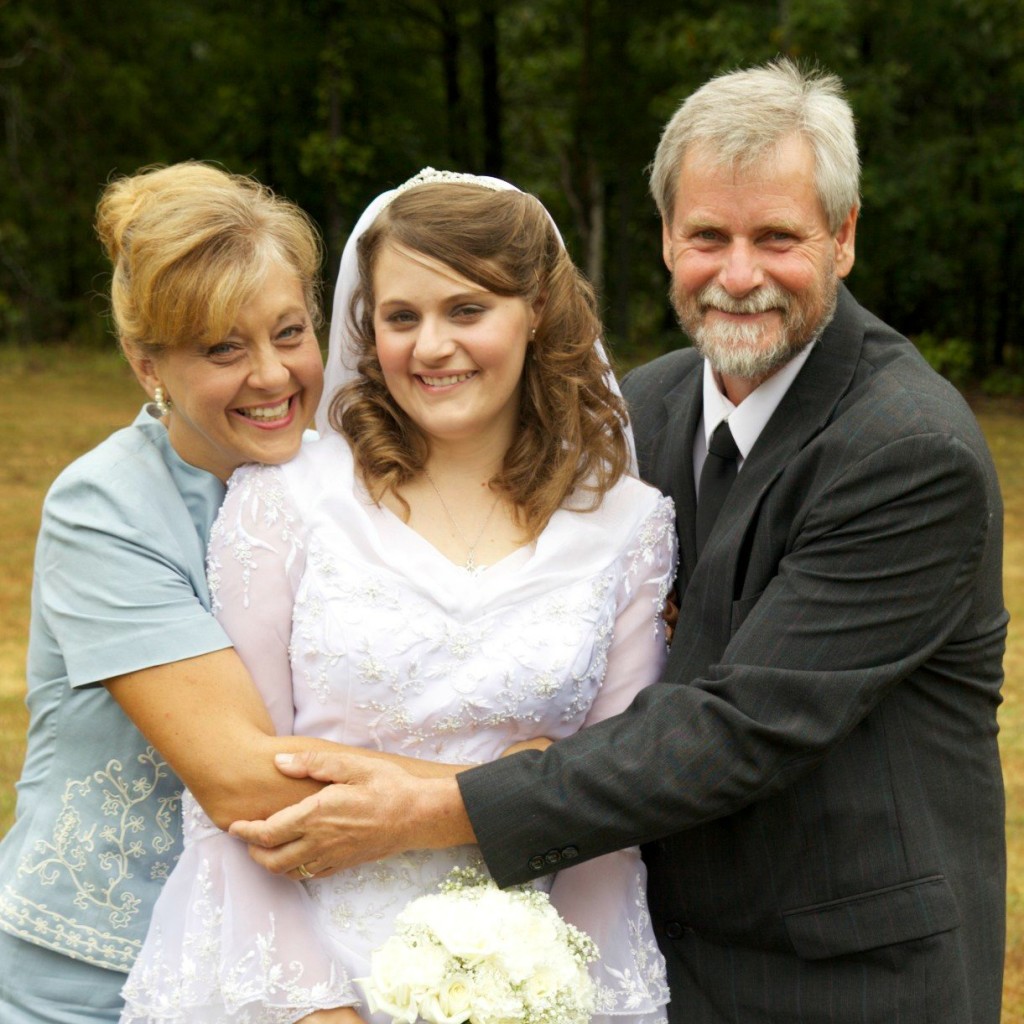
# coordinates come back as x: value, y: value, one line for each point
x: 571, y: 437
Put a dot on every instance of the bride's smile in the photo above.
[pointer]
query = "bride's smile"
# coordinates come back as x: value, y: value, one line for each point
x: 451, y: 351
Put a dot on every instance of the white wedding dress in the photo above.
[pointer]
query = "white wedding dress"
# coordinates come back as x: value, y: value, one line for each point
x: 357, y: 630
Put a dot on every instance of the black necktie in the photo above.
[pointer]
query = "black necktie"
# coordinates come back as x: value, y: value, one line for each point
x: 715, y: 480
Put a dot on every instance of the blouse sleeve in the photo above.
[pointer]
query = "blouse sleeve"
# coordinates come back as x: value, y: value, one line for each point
x: 227, y: 939
x: 118, y: 575
x: 606, y: 896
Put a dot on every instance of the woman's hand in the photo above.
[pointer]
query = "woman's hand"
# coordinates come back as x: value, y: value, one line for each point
x: 540, y: 743
x: 341, y: 1015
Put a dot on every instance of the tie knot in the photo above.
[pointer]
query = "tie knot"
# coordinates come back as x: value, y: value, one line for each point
x: 722, y: 443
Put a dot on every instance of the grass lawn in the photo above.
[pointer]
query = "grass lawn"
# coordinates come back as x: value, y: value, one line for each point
x: 60, y: 403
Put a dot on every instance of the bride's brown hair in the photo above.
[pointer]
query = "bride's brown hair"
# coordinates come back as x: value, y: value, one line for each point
x: 570, y: 438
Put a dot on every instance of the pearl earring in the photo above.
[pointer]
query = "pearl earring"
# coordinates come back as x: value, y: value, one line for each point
x: 160, y: 402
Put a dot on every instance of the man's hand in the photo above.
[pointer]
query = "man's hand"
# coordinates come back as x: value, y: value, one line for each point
x: 670, y: 613
x: 373, y: 809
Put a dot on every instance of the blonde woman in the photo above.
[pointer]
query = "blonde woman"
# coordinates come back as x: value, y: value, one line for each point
x: 214, y: 295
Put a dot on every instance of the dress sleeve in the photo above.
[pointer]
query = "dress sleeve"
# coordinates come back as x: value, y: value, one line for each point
x: 638, y: 650
x: 228, y: 941
x: 606, y: 896
x: 254, y: 564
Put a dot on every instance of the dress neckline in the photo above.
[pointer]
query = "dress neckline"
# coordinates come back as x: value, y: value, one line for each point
x: 386, y: 523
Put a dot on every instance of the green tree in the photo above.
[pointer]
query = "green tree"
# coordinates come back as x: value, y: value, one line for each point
x: 329, y: 101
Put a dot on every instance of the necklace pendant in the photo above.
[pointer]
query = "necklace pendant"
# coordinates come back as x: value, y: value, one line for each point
x: 470, y: 563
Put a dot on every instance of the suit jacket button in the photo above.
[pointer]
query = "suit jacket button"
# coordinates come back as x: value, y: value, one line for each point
x: 537, y: 863
x: 674, y: 930
x: 570, y: 853
x: 553, y: 857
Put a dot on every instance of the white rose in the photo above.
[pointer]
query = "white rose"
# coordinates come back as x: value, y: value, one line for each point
x: 386, y: 989
x: 399, y: 1003
x: 400, y: 972
x: 528, y: 940
x: 467, y: 931
x: 541, y: 987
x: 386, y: 964
x: 451, y: 1003
x: 546, y: 986
x: 584, y: 991
x: 424, y: 966
x: 423, y: 910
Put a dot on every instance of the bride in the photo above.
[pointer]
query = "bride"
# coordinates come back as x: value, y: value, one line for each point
x: 462, y: 563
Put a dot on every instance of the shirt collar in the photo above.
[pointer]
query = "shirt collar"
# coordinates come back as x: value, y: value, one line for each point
x: 749, y: 418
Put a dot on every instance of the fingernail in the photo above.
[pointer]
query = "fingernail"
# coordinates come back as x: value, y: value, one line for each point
x: 284, y: 759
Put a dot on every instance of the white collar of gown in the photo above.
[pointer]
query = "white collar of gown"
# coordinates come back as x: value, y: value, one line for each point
x: 574, y: 546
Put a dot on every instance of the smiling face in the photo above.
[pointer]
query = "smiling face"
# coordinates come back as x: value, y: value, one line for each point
x: 755, y: 269
x: 451, y: 351
x: 248, y: 397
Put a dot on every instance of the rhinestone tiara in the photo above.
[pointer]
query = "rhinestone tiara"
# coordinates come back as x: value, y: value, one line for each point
x: 430, y: 176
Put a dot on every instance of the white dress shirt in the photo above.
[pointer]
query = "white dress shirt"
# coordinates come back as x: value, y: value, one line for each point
x: 746, y: 420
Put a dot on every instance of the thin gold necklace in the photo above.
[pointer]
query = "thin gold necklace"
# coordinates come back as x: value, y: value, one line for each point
x: 470, y: 564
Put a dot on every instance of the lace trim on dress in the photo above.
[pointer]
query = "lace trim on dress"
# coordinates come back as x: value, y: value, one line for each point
x: 643, y: 985
x: 656, y: 533
x: 197, y: 973
x: 263, y: 500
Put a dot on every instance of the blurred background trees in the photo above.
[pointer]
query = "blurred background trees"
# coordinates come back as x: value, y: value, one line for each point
x: 330, y: 101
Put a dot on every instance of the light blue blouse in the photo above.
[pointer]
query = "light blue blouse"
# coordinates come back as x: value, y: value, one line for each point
x: 119, y: 586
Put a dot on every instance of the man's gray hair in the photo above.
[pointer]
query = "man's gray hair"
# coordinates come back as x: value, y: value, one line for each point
x: 742, y: 116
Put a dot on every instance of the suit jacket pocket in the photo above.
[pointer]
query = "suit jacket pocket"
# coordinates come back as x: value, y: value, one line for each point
x: 914, y: 910
x: 740, y: 610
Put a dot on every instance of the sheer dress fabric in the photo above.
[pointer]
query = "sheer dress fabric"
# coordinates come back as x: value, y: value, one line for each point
x: 357, y: 630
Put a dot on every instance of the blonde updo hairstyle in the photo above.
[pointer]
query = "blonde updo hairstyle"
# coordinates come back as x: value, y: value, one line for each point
x: 190, y: 245
x: 571, y: 431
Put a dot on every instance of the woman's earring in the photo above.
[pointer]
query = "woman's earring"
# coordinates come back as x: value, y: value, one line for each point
x: 160, y: 402
x: 533, y: 333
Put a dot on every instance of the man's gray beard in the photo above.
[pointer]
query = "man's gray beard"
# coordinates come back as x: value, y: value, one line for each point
x: 739, y: 350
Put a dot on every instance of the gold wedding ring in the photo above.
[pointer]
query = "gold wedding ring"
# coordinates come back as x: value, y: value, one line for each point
x: 304, y: 872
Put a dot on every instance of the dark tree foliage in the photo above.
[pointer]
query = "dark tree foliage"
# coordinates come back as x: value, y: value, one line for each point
x: 330, y: 101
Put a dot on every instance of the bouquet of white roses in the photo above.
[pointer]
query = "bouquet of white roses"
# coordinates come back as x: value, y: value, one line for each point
x: 473, y: 952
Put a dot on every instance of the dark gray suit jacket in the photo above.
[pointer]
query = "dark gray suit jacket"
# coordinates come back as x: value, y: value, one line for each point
x: 817, y: 780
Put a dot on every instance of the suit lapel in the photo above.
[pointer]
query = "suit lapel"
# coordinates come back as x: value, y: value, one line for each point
x: 710, y: 586
x: 806, y: 408
x: 672, y: 470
